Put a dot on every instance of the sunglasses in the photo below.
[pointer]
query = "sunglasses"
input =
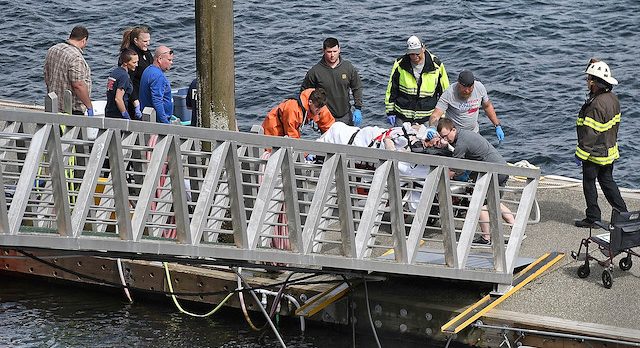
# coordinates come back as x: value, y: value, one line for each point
x: 170, y: 52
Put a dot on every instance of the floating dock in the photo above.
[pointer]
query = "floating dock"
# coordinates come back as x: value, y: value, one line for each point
x: 357, y: 260
x: 554, y: 309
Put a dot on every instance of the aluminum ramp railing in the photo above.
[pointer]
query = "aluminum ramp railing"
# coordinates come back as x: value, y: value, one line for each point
x: 123, y: 192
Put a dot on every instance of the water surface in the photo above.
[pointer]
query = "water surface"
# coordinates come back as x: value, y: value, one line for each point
x: 530, y: 54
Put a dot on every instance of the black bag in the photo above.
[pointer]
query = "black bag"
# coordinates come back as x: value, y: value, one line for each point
x: 625, y: 230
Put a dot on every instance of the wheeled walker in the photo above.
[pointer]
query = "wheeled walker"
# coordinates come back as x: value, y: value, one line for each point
x: 623, y: 235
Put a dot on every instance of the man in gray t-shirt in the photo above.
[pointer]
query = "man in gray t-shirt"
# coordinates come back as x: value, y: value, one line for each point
x: 461, y: 103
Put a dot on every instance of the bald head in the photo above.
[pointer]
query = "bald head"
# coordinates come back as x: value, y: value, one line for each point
x: 162, y: 50
x: 163, y: 58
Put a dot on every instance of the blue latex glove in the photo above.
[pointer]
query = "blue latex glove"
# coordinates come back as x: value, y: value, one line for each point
x: 125, y: 115
x: 499, y: 133
x: 138, y: 112
x: 310, y: 157
x: 464, y: 176
x: 90, y: 111
x: 391, y: 119
x: 431, y: 133
x: 577, y: 161
x: 356, y: 117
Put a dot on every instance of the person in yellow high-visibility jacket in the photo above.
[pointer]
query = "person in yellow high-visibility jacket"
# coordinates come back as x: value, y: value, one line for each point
x: 597, y: 149
x: 417, y: 80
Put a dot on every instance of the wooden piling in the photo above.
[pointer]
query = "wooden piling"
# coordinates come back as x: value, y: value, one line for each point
x: 215, y: 62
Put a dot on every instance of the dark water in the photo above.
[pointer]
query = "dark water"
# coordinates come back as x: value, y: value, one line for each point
x: 38, y: 314
x: 529, y: 54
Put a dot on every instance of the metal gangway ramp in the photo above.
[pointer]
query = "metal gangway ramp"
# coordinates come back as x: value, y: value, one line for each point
x: 94, y: 184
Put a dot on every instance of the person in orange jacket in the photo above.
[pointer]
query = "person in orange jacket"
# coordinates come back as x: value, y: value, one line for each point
x: 288, y: 117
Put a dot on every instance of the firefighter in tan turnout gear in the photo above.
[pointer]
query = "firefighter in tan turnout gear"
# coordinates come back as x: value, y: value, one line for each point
x: 597, y: 150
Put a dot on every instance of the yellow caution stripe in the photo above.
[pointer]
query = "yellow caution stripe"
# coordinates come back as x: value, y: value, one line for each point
x: 321, y: 301
x: 488, y: 302
x: 392, y: 251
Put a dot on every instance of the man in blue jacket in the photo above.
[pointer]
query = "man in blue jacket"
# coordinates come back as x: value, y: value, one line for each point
x: 155, y: 89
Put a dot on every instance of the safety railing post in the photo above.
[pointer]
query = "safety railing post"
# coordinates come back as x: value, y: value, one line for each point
x: 522, y: 216
x: 495, y: 224
x: 4, y: 216
x: 396, y: 214
x: 61, y: 200
x: 51, y: 102
x: 345, y: 208
x: 67, y: 104
x: 291, y: 206
x: 236, y: 199
x: 117, y: 166
x: 179, y: 193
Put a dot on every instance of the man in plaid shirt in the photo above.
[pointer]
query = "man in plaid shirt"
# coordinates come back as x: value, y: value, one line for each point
x: 66, y: 69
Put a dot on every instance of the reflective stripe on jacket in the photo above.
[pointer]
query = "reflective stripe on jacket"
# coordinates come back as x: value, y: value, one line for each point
x: 415, y: 99
x: 597, y: 129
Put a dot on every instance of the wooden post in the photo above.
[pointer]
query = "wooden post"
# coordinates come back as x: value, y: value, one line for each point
x: 215, y: 62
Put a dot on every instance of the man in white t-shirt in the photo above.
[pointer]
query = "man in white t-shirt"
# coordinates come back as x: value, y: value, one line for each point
x: 461, y: 103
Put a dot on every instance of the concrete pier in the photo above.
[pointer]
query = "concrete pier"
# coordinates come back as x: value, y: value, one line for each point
x: 559, y: 300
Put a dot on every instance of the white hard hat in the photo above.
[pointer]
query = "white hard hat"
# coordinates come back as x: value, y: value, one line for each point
x: 601, y: 69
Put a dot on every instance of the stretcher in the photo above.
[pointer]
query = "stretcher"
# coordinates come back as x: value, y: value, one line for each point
x: 623, y: 234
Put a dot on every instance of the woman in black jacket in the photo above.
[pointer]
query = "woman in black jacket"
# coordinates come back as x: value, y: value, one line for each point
x: 137, y: 39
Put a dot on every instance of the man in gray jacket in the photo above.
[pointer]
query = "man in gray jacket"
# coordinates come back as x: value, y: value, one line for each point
x: 337, y: 77
x: 473, y: 146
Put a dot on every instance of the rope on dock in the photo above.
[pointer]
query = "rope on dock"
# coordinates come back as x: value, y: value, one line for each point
x: 18, y: 105
x: 556, y: 181
x: 568, y: 182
